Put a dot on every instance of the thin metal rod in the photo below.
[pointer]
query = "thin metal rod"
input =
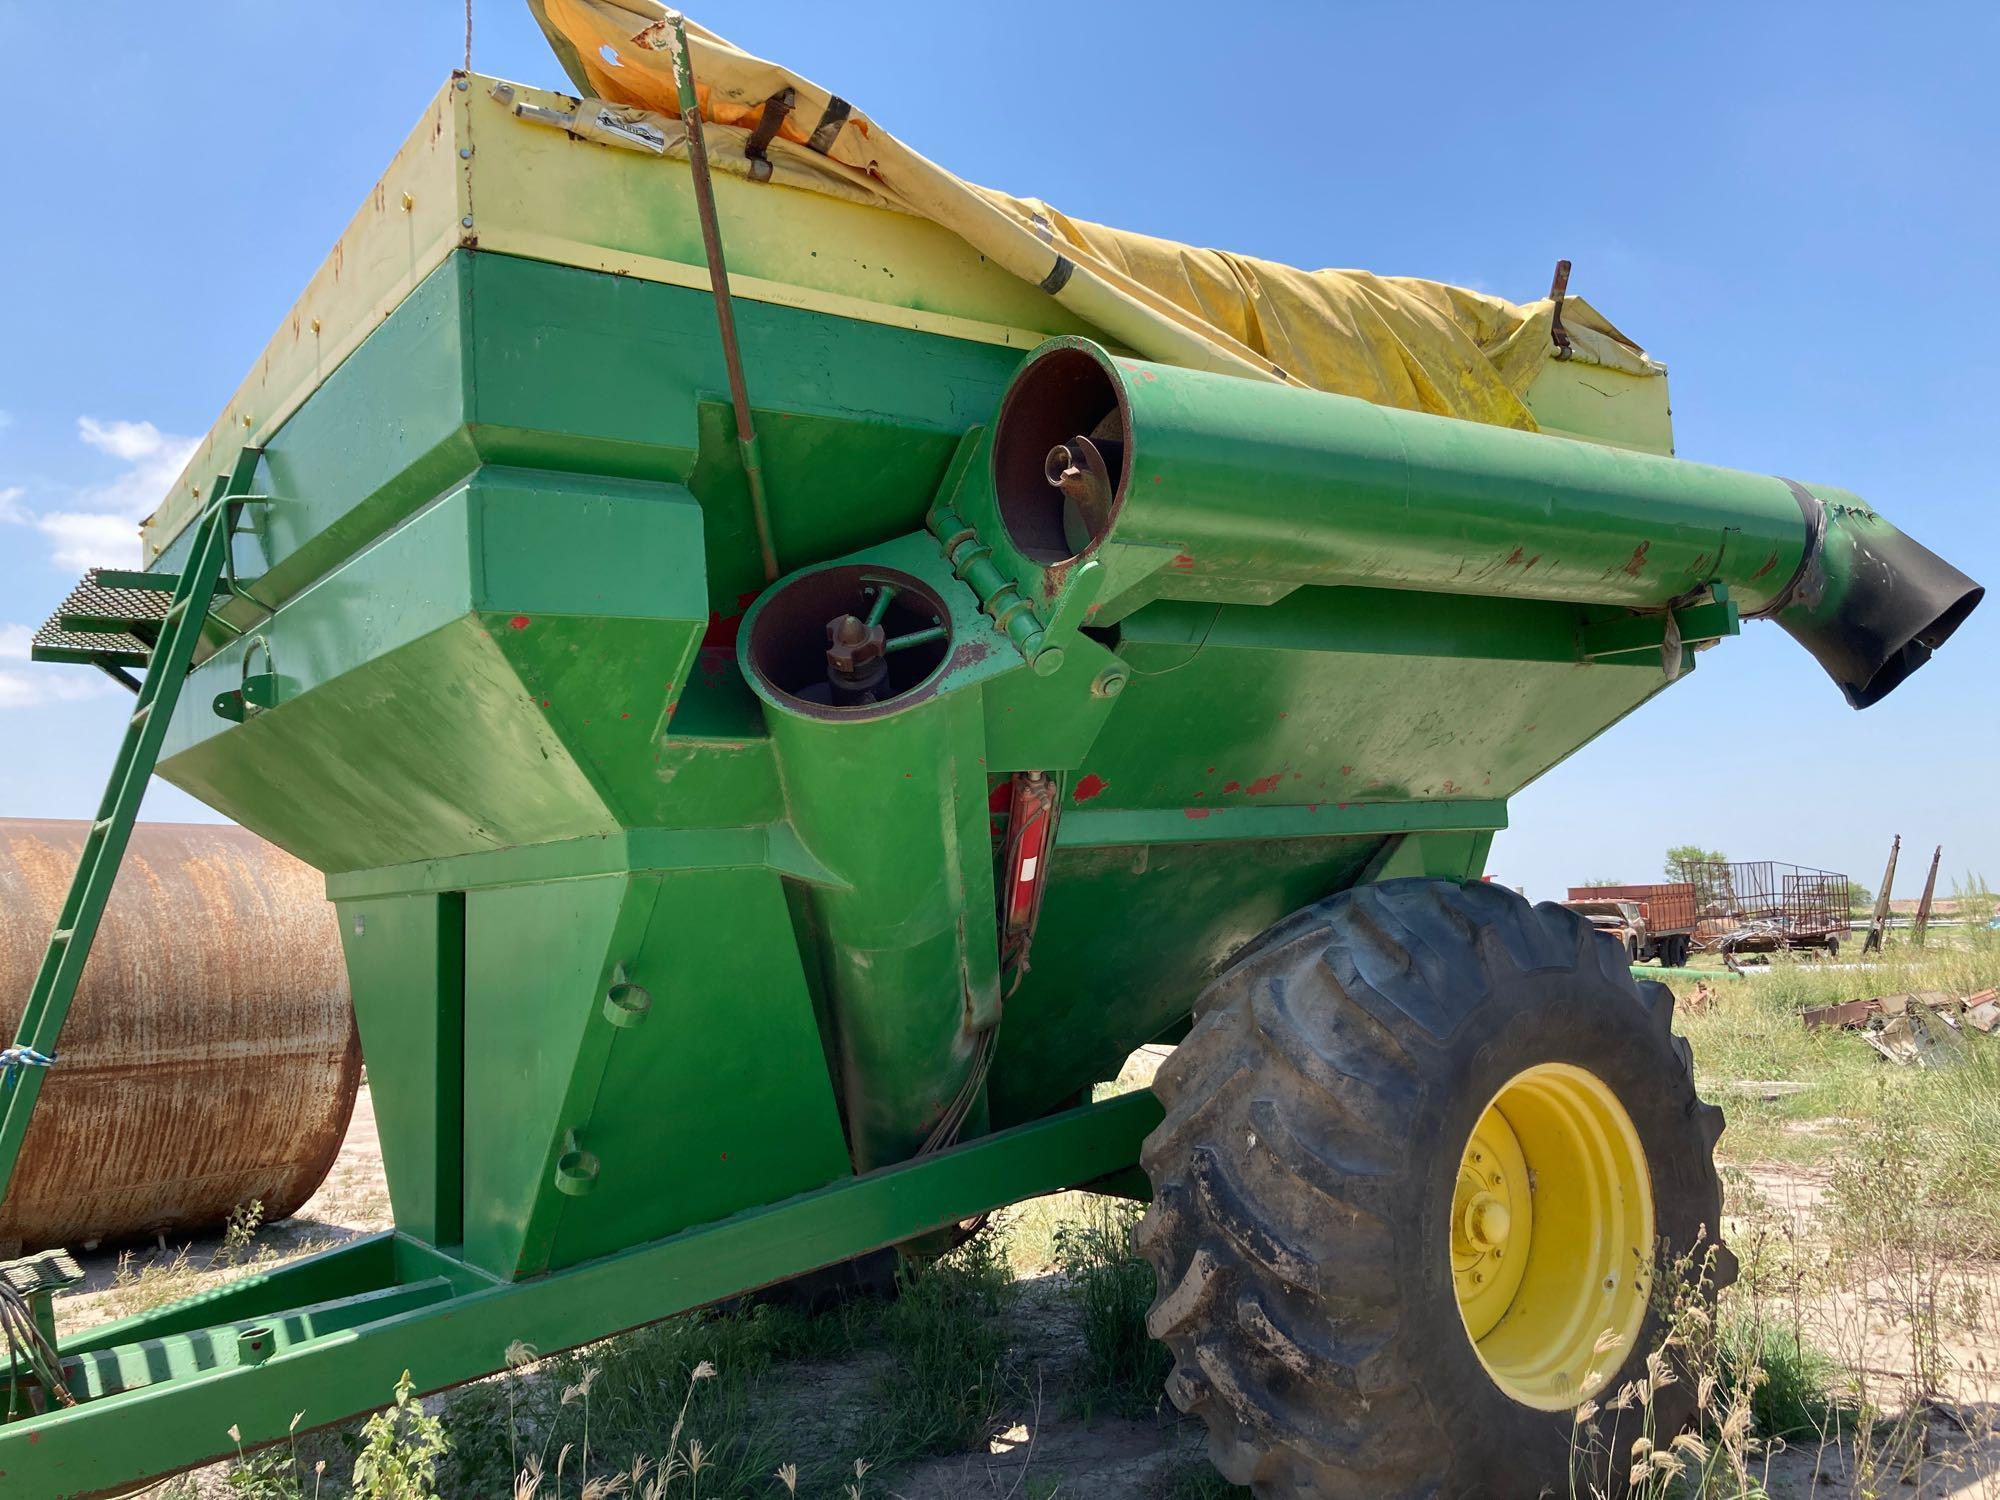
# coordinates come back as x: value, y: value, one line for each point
x: 915, y: 638
x: 725, y: 312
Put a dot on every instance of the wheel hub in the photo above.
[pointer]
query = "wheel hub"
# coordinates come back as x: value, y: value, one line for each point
x: 1552, y: 1236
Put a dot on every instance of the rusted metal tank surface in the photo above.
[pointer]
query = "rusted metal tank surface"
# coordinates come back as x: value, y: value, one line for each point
x: 210, y: 1059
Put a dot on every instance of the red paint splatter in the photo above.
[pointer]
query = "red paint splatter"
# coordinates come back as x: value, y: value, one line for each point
x: 519, y: 622
x: 1232, y: 786
x: 1198, y: 812
x: 1341, y: 805
x: 721, y: 632
x: 1264, y: 784
x: 1182, y: 562
x: 545, y: 703
x: 1091, y: 786
x: 1347, y: 770
x: 624, y: 716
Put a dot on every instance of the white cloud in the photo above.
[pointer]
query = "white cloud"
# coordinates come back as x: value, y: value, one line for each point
x: 130, y: 441
x: 44, y: 684
x: 98, y: 524
x: 87, y: 539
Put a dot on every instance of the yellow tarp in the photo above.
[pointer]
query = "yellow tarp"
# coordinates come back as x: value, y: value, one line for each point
x: 1397, y: 341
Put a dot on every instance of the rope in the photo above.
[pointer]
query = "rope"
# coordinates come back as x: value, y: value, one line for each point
x: 468, y: 36
x: 18, y: 1057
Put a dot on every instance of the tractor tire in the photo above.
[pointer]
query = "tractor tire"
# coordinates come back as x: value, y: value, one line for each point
x: 1321, y: 1200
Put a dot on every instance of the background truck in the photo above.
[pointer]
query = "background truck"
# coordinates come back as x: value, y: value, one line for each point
x: 1653, y: 921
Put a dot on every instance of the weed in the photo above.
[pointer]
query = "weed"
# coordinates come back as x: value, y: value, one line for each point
x: 949, y: 1348
x: 239, y: 1232
x: 1196, y: 1479
x: 400, y: 1450
x: 1123, y: 1368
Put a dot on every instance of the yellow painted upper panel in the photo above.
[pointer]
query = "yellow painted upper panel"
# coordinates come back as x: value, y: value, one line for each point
x: 851, y: 222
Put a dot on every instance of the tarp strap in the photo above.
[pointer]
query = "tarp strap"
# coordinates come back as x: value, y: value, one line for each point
x: 769, y: 122
x: 1059, y: 275
x: 828, y: 130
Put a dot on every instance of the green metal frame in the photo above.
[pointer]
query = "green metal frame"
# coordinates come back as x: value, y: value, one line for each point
x: 315, y: 1336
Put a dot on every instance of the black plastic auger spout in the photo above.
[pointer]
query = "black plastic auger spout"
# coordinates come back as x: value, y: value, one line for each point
x: 1868, y: 602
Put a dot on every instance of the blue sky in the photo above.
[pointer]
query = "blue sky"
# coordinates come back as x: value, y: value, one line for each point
x: 1793, y: 206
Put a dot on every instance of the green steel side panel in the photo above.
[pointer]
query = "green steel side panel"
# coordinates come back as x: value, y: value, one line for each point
x: 498, y: 670
x: 1127, y: 939
x: 578, y: 370
x: 382, y: 436
x: 406, y: 969
x: 1335, y: 699
x: 718, y: 1097
x: 722, y: 1098
x: 538, y: 963
x: 837, y: 484
x: 370, y: 769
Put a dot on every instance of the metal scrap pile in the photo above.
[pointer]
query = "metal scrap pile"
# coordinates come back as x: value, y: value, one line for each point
x: 1925, y: 1030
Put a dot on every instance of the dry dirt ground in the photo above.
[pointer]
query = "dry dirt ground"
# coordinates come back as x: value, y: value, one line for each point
x: 1037, y: 1453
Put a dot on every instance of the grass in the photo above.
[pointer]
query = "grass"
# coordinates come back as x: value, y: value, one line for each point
x: 1123, y: 1368
x: 1849, y: 1325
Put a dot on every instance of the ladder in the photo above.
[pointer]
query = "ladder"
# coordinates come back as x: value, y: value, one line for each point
x: 23, y: 1065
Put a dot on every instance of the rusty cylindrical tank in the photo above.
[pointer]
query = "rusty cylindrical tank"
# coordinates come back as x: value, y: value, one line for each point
x: 210, y: 1059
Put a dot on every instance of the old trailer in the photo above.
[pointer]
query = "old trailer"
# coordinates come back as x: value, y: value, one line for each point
x: 775, y: 740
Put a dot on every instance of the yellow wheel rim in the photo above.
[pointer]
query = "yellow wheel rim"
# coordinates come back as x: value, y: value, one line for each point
x: 1552, y: 1236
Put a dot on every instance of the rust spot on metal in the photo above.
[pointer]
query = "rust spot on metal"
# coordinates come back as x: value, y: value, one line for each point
x: 1091, y: 786
x: 1264, y: 784
x: 1513, y: 558
x: 1531, y: 562
x: 1347, y: 770
x: 1198, y: 812
x: 1636, y: 563
x: 1232, y: 786
x: 1769, y: 563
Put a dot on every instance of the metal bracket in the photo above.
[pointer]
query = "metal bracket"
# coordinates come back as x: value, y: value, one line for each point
x: 594, y: 120
x: 769, y: 123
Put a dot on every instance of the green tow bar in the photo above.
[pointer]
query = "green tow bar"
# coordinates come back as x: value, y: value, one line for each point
x: 164, y: 1388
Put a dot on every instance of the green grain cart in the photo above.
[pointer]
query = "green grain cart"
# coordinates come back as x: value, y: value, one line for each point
x: 772, y: 756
